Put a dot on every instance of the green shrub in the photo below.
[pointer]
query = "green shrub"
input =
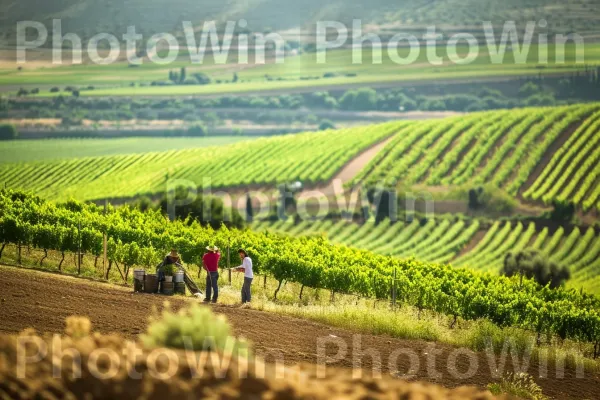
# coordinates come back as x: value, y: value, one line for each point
x: 8, y: 132
x: 520, y: 385
x: 562, y: 211
x: 529, y: 89
x: 532, y: 263
x: 362, y: 99
x: 326, y: 124
x: 540, y: 100
x: 202, y: 78
x: 197, y: 130
x: 490, y: 198
x: 196, y: 326
x: 485, y: 333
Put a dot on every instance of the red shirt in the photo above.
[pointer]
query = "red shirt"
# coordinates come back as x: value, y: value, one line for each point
x: 211, y: 261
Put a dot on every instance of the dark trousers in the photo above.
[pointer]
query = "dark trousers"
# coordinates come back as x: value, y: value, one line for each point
x: 211, y: 286
x: 246, y: 295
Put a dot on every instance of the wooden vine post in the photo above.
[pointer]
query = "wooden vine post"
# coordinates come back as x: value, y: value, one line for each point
x: 394, y: 290
x: 104, y: 244
x: 229, y: 259
x: 79, y: 247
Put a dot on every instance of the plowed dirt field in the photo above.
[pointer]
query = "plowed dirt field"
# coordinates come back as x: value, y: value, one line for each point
x: 43, y: 301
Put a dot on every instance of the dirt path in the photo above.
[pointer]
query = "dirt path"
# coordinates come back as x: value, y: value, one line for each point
x: 548, y: 155
x: 352, y: 168
x: 42, y: 301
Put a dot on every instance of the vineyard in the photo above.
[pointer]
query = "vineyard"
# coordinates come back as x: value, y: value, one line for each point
x: 136, y: 238
x: 541, y: 154
x: 445, y: 241
x: 502, y: 148
x: 310, y: 157
x: 25, y: 151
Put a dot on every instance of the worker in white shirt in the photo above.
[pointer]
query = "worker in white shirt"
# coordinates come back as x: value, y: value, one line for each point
x: 246, y: 268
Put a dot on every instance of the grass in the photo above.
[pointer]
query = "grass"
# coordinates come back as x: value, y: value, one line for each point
x: 115, y: 79
x: 377, y: 318
x: 521, y: 385
x: 361, y: 315
x: 16, y: 151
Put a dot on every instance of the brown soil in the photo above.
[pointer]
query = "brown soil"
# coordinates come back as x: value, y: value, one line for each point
x: 353, y: 167
x: 182, y: 375
x: 43, y: 301
x: 474, y: 241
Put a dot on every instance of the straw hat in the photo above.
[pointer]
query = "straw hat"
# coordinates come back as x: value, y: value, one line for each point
x: 212, y: 248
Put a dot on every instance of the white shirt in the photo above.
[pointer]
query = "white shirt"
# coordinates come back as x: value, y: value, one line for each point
x: 247, y: 265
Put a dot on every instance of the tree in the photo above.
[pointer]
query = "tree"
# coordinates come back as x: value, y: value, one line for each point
x: 529, y: 89
x: 173, y: 76
x: 532, y: 263
x: 326, y: 124
x: 206, y: 210
x: 540, y: 100
x: 211, y: 119
x: 359, y: 99
x: 385, y: 202
x: 8, y: 132
x: 202, y: 78
x: 491, y: 199
x: 196, y: 130
x: 434, y: 105
x: 249, y: 210
x: 563, y: 211
x: 475, y: 201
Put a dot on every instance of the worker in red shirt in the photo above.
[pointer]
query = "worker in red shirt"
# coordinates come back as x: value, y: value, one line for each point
x: 211, y: 265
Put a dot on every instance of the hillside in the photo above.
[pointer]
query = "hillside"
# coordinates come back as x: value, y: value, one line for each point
x: 138, y: 239
x: 542, y: 154
x: 87, y: 17
x: 310, y: 157
x: 473, y: 244
x: 534, y: 154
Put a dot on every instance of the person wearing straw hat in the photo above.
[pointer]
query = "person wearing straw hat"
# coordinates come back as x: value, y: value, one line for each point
x: 211, y: 265
x: 246, y: 268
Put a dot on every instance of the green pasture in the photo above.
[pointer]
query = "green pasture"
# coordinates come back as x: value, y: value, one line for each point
x: 303, y: 71
x: 17, y: 151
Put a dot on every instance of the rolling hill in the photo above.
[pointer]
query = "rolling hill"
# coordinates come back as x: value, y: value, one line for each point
x: 472, y: 244
x: 536, y: 154
x: 87, y: 17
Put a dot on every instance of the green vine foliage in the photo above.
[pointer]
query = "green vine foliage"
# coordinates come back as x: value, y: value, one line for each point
x: 137, y: 238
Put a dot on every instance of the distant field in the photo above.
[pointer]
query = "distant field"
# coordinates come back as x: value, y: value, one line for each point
x: 445, y: 241
x: 20, y: 151
x: 295, y: 73
x: 310, y: 157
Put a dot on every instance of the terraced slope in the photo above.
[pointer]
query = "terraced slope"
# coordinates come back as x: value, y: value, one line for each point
x: 543, y: 154
x: 573, y: 172
x: 310, y: 157
x: 504, y: 148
